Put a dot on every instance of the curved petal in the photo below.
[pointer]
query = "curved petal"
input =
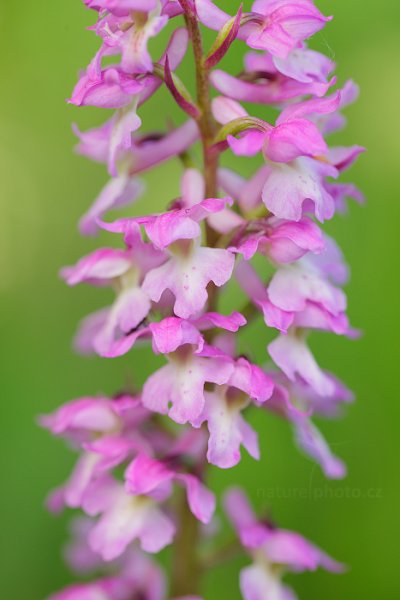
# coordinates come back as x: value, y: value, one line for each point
x: 294, y: 358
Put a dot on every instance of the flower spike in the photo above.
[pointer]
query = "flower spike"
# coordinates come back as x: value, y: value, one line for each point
x: 254, y: 244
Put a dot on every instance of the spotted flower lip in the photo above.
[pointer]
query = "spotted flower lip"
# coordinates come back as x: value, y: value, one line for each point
x: 292, y: 189
x: 222, y: 411
x: 178, y: 387
x: 190, y: 266
x: 188, y: 276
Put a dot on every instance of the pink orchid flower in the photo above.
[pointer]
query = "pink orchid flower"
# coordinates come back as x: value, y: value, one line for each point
x: 270, y: 547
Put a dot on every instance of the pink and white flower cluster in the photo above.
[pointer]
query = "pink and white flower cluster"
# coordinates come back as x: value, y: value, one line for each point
x: 167, y: 274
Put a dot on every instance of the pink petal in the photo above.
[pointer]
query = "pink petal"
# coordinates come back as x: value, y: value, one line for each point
x: 92, y: 414
x: 297, y: 137
x: 188, y: 278
x: 226, y: 110
x: 230, y: 322
x: 289, y: 186
x: 294, y: 358
x: 100, y: 266
x: 181, y: 385
x: 210, y: 15
x: 144, y: 475
x: 150, y: 153
x: 292, y: 286
x: 227, y: 432
x: 290, y: 240
x: 121, y: 329
x: 201, y: 501
x: 237, y: 506
x: 254, y: 288
x: 129, y: 518
x: 117, y: 193
x: 192, y: 187
x: 312, y: 442
x: 248, y: 144
x: 252, y: 380
x: 305, y: 65
x: 256, y: 579
x: 172, y: 332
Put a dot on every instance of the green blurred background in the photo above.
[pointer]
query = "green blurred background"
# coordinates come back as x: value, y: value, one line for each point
x: 46, y: 187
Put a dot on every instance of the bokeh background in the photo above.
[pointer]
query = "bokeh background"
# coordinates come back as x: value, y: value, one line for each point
x: 45, y: 187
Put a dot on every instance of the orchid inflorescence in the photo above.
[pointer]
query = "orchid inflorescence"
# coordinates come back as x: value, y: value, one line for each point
x: 140, y: 478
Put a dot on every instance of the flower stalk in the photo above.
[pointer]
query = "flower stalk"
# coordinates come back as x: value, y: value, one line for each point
x: 206, y: 120
x: 186, y: 570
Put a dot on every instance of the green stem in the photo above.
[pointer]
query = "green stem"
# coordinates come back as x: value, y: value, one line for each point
x: 186, y: 568
x: 206, y: 121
